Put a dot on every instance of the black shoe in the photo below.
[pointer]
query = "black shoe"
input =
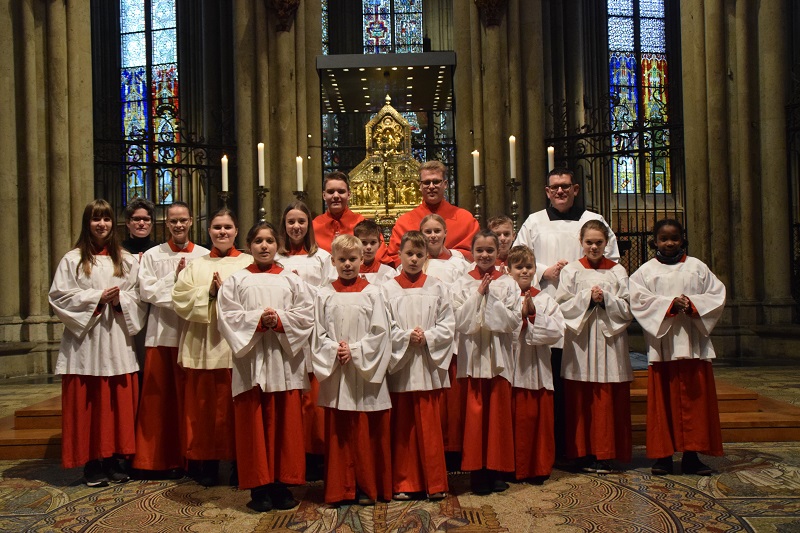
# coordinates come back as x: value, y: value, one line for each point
x: 315, y: 467
x: 362, y: 498
x: 691, y: 464
x: 452, y: 461
x: 498, y: 485
x: 233, y: 481
x: 281, y: 497
x: 93, y: 474
x: 113, y: 471
x: 537, y: 480
x: 602, y: 467
x: 209, y: 474
x: 662, y: 467
x: 175, y: 473
x: 260, y: 500
x: 480, y: 483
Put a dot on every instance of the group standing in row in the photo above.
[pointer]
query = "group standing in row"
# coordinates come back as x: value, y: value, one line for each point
x: 505, y: 356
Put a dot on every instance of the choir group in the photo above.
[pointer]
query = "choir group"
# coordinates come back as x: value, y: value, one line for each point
x: 321, y: 351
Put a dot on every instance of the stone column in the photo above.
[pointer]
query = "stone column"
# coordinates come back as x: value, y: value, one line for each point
x: 719, y: 172
x: 745, y: 207
x: 9, y: 183
x: 535, y: 165
x: 477, y: 100
x: 313, y: 121
x: 286, y: 126
x: 463, y: 106
x: 773, y: 60
x: 301, y: 126
x: 495, y: 143
x: 244, y: 20
x: 263, y: 117
x: 695, y: 114
x: 515, y: 105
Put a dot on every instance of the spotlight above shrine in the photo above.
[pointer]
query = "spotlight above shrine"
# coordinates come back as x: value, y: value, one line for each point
x: 358, y: 83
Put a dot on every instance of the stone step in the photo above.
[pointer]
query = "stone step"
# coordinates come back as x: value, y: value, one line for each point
x: 42, y: 415
x: 731, y: 399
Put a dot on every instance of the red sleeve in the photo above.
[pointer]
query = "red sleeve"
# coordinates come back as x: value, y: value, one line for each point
x: 279, y: 326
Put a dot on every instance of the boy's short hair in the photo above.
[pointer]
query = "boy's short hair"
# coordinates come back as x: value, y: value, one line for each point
x: 416, y: 238
x: 435, y: 217
x: 139, y: 203
x: 346, y: 243
x: 519, y: 254
x: 336, y: 175
x: 366, y: 228
x: 499, y: 220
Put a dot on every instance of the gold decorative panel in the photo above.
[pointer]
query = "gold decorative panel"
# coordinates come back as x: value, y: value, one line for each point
x: 386, y: 183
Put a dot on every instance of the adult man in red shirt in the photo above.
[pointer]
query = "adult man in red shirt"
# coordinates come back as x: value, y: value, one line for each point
x: 461, y: 224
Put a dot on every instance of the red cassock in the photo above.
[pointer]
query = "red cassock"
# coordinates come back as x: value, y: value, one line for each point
x: 418, y: 458
x: 98, y: 417
x: 488, y: 431
x: 451, y: 407
x: 682, y: 410
x: 208, y: 414
x: 313, y: 419
x: 461, y: 226
x: 326, y: 228
x: 270, y: 427
x: 534, y: 442
x: 598, y: 420
x: 159, y: 442
x: 358, y: 453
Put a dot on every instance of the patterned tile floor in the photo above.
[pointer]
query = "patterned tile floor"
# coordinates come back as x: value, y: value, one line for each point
x: 756, y: 487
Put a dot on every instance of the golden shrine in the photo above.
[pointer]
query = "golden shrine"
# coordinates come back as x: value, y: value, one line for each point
x: 386, y: 183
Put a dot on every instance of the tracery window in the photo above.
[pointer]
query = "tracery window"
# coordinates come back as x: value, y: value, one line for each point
x: 149, y: 96
x: 638, y: 82
x: 392, y: 26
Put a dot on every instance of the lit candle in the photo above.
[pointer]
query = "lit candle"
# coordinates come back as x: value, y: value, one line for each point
x: 260, y: 164
x: 299, y: 161
x: 512, y: 153
x: 551, y: 158
x: 476, y: 168
x: 224, y: 173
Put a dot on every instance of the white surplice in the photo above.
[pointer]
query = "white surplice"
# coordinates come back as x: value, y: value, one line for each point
x: 448, y: 271
x: 654, y: 286
x: 414, y: 367
x: 201, y: 346
x: 487, y: 325
x: 532, y: 368
x: 384, y: 274
x: 596, y: 338
x: 96, y: 342
x: 360, y: 319
x: 156, y: 280
x: 316, y: 270
x: 271, y: 359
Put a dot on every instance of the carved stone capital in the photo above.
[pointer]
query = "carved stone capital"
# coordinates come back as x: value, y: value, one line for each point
x: 285, y: 11
x: 491, y: 11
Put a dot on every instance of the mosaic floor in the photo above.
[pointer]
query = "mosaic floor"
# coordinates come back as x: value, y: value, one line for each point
x: 756, y: 487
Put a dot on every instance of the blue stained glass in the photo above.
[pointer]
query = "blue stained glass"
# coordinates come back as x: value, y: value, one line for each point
x: 325, y: 37
x: 408, y: 28
x: 407, y: 6
x: 376, y: 6
x: 620, y: 34
x: 622, y: 69
x: 133, y: 84
x: 620, y: 8
x: 131, y: 16
x: 377, y: 33
x: 653, y: 35
x: 651, y: 8
x: 164, y: 47
x: 163, y: 14
x: 134, y: 50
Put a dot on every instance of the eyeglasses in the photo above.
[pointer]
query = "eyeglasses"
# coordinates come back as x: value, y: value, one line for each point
x: 428, y: 183
x: 146, y: 220
x: 563, y: 186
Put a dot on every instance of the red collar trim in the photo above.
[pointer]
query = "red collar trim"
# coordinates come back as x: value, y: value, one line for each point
x: 683, y: 259
x: 477, y: 274
x: 295, y: 251
x: 445, y: 254
x: 104, y: 251
x: 232, y: 252
x: 186, y: 249
x: 271, y: 269
x: 533, y: 291
x: 370, y: 269
x: 605, y: 264
x: 355, y: 285
x: 407, y: 283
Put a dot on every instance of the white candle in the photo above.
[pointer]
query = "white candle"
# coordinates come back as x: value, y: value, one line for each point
x: 551, y: 158
x: 512, y: 153
x: 224, y: 173
x: 299, y: 161
x: 476, y: 168
x: 261, y: 164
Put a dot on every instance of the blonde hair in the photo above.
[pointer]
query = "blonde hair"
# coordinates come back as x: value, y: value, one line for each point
x: 435, y: 218
x: 346, y: 243
x: 434, y: 166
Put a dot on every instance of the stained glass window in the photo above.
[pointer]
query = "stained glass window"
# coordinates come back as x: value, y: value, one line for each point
x: 149, y: 95
x: 638, y: 83
x: 392, y: 26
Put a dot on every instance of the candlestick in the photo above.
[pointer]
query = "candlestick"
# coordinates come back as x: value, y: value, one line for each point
x: 551, y: 158
x: 476, y: 168
x: 261, y: 164
x: 299, y: 161
x: 224, y: 196
x: 477, y: 190
x: 225, y: 173
x: 300, y: 195
x: 512, y: 153
x: 261, y: 192
x: 513, y: 184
